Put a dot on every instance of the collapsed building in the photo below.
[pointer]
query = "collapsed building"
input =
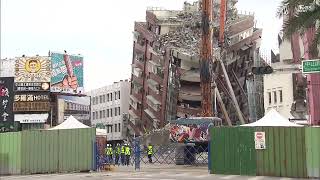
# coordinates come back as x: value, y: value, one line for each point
x: 165, y: 66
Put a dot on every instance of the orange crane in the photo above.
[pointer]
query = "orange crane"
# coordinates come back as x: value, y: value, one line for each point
x: 206, y: 52
x: 206, y: 58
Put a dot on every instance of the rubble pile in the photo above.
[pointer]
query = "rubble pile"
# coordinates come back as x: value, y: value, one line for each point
x: 186, y: 37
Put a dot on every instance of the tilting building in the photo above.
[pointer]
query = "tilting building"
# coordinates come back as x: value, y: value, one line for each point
x: 165, y: 65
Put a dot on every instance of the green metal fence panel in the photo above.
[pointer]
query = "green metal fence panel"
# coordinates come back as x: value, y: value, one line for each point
x: 43, y: 151
x: 57, y: 150
x: 247, y: 151
x: 232, y: 151
x: 284, y: 155
x: 76, y: 149
x: 39, y: 151
x: 312, y: 151
x: 10, y: 153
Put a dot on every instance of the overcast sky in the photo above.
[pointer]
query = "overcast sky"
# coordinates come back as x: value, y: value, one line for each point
x: 100, y: 30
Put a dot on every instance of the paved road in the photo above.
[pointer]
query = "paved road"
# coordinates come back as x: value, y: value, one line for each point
x: 159, y: 173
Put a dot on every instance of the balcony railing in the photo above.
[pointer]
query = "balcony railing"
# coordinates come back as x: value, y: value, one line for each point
x: 153, y: 103
x: 137, y: 72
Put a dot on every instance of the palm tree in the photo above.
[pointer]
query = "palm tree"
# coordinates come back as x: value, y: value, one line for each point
x: 304, y: 15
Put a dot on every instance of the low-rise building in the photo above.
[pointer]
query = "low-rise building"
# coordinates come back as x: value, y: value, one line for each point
x: 285, y: 88
x: 109, y: 105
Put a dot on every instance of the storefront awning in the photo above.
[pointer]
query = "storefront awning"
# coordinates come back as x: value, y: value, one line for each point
x: 31, y: 118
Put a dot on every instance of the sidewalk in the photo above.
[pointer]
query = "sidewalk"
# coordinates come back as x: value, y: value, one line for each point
x: 159, y: 167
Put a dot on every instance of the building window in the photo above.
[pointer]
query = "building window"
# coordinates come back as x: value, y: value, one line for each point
x: 115, y: 128
x: 93, y: 115
x: 103, y: 98
x: 93, y: 101
x: 107, y: 129
x: 111, y: 128
x: 111, y: 97
x: 97, y: 100
x: 119, y: 111
x: 118, y: 94
x: 111, y: 112
x: 97, y: 115
x: 280, y: 94
x: 107, y: 112
x: 108, y: 97
x: 275, y: 96
x: 104, y: 113
x: 269, y: 97
x: 115, y: 96
x: 100, y: 114
x: 115, y: 111
x: 119, y: 127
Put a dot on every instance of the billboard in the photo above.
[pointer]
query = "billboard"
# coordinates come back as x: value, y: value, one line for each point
x: 67, y: 73
x: 32, y: 86
x: 33, y: 69
x: 6, y: 104
x: 191, y: 133
x: 78, y: 107
x: 31, y: 102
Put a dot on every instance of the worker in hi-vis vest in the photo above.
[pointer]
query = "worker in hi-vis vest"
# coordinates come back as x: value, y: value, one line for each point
x: 117, y: 152
x: 123, y: 156
x: 109, y: 153
x: 150, y: 152
x: 128, y: 154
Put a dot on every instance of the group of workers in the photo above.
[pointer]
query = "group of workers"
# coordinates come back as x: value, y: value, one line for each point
x: 121, y: 154
x: 118, y: 155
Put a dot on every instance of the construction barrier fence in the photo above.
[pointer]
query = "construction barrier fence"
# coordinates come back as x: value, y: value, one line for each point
x: 288, y: 151
x: 47, y: 151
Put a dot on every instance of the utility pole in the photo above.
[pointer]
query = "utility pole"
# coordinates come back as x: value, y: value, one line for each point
x: 206, y: 58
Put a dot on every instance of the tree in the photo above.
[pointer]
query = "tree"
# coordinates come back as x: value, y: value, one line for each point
x: 304, y: 14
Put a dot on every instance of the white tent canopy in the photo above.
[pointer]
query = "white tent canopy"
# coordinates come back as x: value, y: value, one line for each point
x: 70, y: 123
x: 101, y: 132
x: 273, y: 118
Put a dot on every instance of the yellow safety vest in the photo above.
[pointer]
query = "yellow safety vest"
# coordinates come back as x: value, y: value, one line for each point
x: 122, y: 149
x: 117, y: 150
x: 150, y: 150
x: 127, y: 151
x: 109, y: 151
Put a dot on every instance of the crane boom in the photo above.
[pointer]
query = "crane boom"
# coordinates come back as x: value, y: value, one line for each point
x: 206, y: 58
x: 223, y: 7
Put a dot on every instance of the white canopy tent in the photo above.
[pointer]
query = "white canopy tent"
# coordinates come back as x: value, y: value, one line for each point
x: 273, y: 118
x: 73, y: 123
x: 101, y: 132
x: 70, y: 123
